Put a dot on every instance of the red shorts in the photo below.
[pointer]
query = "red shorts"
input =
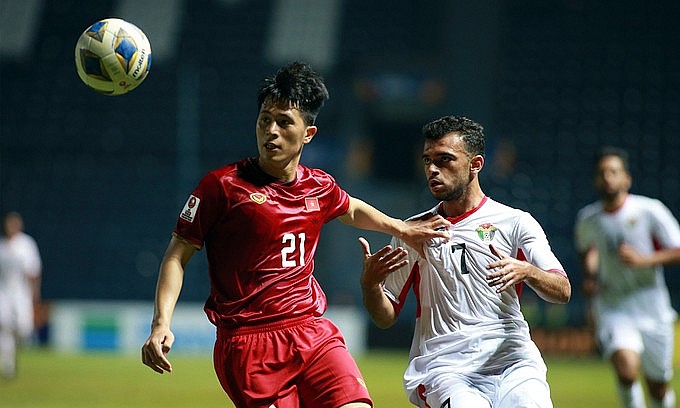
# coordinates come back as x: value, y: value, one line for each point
x: 292, y: 364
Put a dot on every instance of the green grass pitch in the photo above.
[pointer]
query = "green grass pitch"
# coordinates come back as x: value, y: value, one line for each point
x: 50, y: 380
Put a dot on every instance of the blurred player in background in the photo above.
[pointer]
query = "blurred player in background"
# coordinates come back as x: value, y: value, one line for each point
x: 20, y: 272
x: 260, y: 220
x: 624, y: 239
x: 471, y: 346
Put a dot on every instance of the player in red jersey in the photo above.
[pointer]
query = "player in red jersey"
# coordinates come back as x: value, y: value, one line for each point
x: 259, y: 220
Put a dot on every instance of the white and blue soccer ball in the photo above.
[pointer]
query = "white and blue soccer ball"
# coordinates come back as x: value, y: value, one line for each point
x: 113, y: 56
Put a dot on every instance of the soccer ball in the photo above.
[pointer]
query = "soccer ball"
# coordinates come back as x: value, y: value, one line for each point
x: 113, y: 56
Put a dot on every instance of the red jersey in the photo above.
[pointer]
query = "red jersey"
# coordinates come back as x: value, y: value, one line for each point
x: 260, y: 237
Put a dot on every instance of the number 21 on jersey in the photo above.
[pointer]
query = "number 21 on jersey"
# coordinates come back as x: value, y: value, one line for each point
x: 293, y: 251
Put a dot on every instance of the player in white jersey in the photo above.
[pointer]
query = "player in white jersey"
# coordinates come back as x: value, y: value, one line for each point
x: 471, y: 346
x: 20, y: 268
x: 624, y: 241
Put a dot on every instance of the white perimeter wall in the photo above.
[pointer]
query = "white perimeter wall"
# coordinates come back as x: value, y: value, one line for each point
x: 77, y: 326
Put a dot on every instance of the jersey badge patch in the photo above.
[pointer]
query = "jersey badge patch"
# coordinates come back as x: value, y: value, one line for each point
x: 312, y: 204
x: 486, y: 232
x: 258, y: 198
x: 190, y: 208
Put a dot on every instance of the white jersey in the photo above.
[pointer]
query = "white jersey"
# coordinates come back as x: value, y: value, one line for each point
x: 644, y: 223
x: 19, y: 262
x: 462, y: 324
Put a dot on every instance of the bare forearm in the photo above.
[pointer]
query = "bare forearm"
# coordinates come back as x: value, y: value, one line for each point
x: 170, y: 278
x: 364, y: 216
x: 168, y: 289
x: 379, y: 307
x: 590, y: 260
x: 551, y: 286
x: 35, y: 284
x: 664, y: 257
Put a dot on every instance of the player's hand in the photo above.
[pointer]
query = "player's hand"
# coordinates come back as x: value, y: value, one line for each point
x: 377, y: 266
x: 508, y: 271
x: 156, y: 348
x: 425, y: 229
x: 630, y: 256
x: 590, y: 286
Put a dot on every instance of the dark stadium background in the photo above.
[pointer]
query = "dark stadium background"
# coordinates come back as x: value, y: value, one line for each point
x: 100, y: 180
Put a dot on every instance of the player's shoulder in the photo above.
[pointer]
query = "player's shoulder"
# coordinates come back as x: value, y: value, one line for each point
x: 425, y: 214
x: 313, y: 171
x: 230, y: 168
x: 652, y: 207
x: 24, y: 241
x: 221, y: 179
x: 26, y: 237
x: 493, y: 205
x: 493, y: 209
x: 589, y: 211
x: 643, y: 201
x: 311, y: 176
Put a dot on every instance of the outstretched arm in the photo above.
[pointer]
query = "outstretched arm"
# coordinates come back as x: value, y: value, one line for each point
x: 632, y: 257
x: 551, y: 287
x: 376, y: 268
x: 168, y: 289
x: 415, y: 233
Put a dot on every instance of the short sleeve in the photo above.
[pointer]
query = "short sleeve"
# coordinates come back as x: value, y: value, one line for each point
x: 202, y: 210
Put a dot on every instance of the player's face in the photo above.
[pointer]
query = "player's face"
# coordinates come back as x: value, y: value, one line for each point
x: 281, y: 133
x: 611, y: 177
x: 448, y: 167
x: 12, y: 225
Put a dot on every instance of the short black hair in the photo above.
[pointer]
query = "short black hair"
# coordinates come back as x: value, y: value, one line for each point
x: 612, y: 151
x: 296, y: 84
x: 471, y: 132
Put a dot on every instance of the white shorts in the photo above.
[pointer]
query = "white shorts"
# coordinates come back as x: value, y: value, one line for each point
x: 16, y: 314
x: 521, y: 386
x: 652, y: 340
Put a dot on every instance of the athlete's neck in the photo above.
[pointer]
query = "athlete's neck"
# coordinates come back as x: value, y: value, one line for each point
x: 455, y: 208
x: 613, y: 203
x: 283, y: 172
